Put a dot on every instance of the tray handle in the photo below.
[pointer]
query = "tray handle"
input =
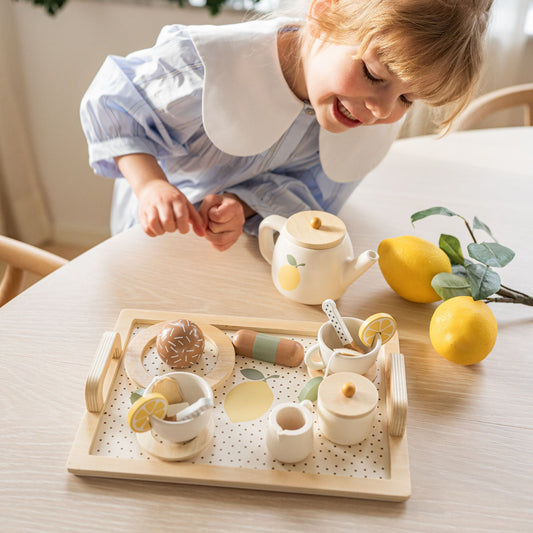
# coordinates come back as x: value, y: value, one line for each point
x: 110, y: 347
x: 396, y: 394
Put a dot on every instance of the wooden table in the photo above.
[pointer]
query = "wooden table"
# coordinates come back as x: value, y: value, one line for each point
x: 470, y: 429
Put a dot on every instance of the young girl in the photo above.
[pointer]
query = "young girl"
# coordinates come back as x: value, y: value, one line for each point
x: 216, y: 127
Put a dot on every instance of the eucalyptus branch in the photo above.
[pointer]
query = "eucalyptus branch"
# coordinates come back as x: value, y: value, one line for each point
x: 474, y: 276
x: 511, y: 296
x: 515, y: 291
x: 470, y: 230
x: 517, y: 300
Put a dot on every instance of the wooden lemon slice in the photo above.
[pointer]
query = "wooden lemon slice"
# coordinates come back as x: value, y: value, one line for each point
x: 381, y: 323
x: 152, y: 404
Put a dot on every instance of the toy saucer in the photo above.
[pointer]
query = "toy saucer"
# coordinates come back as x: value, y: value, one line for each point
x: 176, y: 451
x: 140, y: 344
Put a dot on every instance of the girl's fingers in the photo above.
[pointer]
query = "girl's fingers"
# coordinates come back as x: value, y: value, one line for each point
x: 209, y: 202
x: 167, y: 219
x: 150, y: 222
x: 198, y: 222
x: 222, y: 241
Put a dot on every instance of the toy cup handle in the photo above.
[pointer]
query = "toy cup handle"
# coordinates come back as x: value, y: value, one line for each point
x: 310, y: 362
x: 265, y: 236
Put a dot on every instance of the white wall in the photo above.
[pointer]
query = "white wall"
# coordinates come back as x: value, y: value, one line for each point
x: 59, y: 56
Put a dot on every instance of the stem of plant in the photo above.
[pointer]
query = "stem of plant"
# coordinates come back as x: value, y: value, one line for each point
x: 470, y: 230
x: 511, y: 296
x: 518, y: 300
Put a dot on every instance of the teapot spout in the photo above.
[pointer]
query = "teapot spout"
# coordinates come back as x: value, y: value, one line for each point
x: 357, y: 267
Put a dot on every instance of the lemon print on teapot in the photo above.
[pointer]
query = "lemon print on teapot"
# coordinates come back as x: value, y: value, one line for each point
x: 288, y: 275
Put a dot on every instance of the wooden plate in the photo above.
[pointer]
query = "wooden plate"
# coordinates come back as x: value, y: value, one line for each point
x: 139, y: 345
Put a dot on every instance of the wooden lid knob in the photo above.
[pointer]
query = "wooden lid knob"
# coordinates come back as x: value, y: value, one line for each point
x: 316, y: 223
x: 348, y: 389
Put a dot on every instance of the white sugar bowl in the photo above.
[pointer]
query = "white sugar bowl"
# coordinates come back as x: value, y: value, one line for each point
x: 347, y: 406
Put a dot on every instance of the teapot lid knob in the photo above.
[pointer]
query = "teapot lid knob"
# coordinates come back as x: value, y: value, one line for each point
x: 316, y: 223
x: 348, y: 389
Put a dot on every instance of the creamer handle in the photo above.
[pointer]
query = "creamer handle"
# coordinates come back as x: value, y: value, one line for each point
x: 266, y: 235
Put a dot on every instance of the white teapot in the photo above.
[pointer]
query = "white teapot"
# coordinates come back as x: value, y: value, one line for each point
x: 312, y: 259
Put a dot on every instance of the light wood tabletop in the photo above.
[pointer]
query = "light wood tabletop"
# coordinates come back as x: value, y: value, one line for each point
x: 469, y: 429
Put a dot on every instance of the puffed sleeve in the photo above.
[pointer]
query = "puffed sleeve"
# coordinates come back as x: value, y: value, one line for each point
x: 126, y: 108
x: 287, y: 193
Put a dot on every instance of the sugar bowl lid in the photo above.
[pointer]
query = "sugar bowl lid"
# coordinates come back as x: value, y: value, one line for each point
x: 347, y: 394
x: 315, y: 229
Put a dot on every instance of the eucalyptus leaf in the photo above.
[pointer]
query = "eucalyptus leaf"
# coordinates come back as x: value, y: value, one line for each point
x: 452, y: 248
x: 252, y: 373
x: 484, y: 281
x: 448, y: 285
x: 419, y: 215
x: 459, y: 270
x: 481, y: 225
x: 491, y: 253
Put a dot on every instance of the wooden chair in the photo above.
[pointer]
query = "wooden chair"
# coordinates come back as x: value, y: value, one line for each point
x: 19, y: 257
x: 479, y: 108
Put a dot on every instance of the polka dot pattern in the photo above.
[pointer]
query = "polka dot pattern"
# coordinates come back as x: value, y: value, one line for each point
x: 242, y: 445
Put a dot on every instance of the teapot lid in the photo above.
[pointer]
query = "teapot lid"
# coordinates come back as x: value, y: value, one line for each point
x: 347, y: 394
x: 315, y: 229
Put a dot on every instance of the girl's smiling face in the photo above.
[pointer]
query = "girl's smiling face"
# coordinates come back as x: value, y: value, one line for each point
x: 347, y: 91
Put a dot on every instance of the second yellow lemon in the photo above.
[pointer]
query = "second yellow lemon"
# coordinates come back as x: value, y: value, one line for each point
x: 409, y: 263
x: 462, y: 330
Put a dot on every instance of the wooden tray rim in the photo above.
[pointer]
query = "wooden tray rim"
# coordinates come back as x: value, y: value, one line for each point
x: 82, y: 462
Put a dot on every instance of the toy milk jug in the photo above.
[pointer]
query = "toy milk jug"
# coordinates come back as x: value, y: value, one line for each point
x: 289, y: 435
x: 312, y: 259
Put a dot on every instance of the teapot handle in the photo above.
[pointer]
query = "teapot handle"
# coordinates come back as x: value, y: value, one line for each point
x: 267, y: 228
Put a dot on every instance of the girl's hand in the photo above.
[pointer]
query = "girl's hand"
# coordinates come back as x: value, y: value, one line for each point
x: 164, y: 208
x: 225, y: 215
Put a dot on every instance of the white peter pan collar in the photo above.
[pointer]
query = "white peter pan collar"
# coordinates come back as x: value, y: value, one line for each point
x: 247, y: 105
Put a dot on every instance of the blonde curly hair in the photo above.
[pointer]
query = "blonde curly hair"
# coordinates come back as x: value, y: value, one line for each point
x: 436, y: 46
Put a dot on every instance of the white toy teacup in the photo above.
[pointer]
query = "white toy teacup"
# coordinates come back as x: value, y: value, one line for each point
x: 194, y: 418
x: 329, y: 355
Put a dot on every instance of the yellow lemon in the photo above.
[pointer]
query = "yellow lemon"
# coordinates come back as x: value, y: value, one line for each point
x: 408, y: 265
x: 463, y: 330
x: 248, y: 401
x: 289, y: 277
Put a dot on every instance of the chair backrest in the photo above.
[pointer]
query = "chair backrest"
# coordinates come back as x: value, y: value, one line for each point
x: 20, y: 257
x: 481, y: 107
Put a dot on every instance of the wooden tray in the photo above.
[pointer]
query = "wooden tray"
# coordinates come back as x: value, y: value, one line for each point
x: 105, y: 446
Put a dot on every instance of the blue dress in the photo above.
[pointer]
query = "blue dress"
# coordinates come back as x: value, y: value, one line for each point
x: 210, y: 103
